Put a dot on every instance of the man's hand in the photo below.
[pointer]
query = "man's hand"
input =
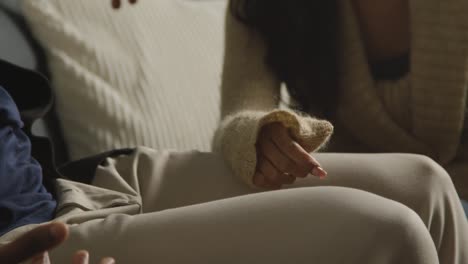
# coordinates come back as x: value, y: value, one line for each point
x: 281, y: 160
x: 35, y: 244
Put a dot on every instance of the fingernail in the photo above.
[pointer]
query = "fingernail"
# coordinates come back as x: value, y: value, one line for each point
x: 108, y: 261
x: 84, y: 257
x: 46, y: 258
x: 319, y: 172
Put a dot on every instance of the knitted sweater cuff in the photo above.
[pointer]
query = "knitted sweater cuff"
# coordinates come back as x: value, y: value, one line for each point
x: 237, y: 135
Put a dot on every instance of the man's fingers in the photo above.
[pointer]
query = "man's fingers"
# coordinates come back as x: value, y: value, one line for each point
x: 42, y: 258
x: 81, y: 257
x: 107, y: 261
x: 34, y: 243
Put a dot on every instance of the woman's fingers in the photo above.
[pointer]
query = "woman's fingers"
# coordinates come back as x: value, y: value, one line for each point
x: 81, y: 257
x: 282, y: 163
x: 273, y: 176
x: 282, y: 139
x: 292, y: 149
x: 267, y: 176
x: 281, y: 159
x: 259, y: 180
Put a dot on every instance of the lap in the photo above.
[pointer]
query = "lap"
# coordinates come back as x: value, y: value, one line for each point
x: 189, y: 178
x: 406, y: 178
x: 196, y: 211
x: 273, y: 227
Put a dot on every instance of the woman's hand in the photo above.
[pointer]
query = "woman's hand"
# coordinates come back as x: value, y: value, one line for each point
x: 281, y: 160
x: 117, y: 3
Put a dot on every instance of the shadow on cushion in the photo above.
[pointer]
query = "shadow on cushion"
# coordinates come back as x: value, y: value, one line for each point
x: 19, y: 47
x: 465, y: 206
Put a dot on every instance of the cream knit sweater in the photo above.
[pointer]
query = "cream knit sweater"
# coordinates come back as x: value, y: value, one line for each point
x: 422, y: 113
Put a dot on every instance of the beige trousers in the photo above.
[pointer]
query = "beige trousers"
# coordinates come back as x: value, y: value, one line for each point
x: 187, y: 208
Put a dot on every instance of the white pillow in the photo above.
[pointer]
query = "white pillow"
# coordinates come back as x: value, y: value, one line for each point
x: 147, y: 74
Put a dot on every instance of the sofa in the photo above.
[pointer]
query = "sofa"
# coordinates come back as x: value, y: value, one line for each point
x: 18, y: 46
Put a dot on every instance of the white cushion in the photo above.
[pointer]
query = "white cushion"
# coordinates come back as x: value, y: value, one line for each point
x: 147, y: 74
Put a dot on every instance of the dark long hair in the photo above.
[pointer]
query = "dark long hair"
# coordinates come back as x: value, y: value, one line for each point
x: 301, y: 37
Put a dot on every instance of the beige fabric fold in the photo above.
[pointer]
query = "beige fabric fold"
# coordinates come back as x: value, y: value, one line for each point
x: 187, y: 207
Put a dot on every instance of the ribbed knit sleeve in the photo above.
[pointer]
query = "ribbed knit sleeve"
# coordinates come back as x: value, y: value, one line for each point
x: 432, y: 106
x: 250, y: 96
x: 439, y: 73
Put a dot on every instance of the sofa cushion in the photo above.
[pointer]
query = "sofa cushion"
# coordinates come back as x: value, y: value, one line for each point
x: 147, y: 74
x: 14, y: 44
x: 12, y: 5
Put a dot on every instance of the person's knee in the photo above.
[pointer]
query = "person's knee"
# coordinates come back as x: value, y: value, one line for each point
x: 387, y: 225
x: 405, y: 229
x: 429, y: 169
x: 430, y: 178
x: 402, y: 222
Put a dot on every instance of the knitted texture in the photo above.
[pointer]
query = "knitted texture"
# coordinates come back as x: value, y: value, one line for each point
x: 147, y: 74
x: 422, y: 113
x: 437, y: 85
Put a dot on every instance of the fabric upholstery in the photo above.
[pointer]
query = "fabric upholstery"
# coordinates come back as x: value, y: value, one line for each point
x: 142, y: 75
x: 14, y: 45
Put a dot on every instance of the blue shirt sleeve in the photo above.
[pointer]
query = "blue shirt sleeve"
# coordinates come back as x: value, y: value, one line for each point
x: 23, y: 198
